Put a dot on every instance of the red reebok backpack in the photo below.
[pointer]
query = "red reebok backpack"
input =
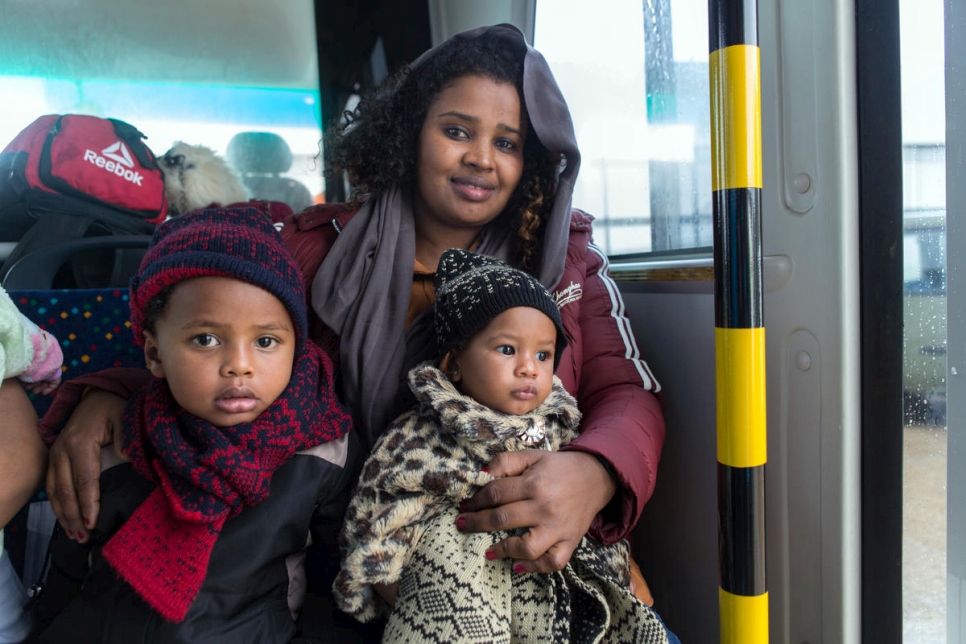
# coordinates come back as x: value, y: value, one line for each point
x: 70, y: 176
x: 103, y: 161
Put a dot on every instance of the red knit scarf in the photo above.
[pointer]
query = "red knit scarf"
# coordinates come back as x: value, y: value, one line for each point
x: 208, y: 474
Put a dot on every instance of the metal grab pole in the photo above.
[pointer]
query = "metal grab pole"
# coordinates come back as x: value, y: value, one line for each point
x: 739, y: 331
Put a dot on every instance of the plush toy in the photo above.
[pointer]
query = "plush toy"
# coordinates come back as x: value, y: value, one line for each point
x: 27, y: 351
x: 195, y: 177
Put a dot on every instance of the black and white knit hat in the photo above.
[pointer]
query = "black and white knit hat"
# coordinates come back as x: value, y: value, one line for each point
x: 473, y: 289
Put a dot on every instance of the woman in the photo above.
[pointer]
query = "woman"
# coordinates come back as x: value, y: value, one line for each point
x: 474, y: 148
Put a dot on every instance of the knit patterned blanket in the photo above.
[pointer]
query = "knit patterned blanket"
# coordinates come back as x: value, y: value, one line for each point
x: 400, y: 526
x: 449, y: 592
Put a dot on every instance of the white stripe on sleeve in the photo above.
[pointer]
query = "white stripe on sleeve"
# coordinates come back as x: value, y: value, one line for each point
x: 631, y: 351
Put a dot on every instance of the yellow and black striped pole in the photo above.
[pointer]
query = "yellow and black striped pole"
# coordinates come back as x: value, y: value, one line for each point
x: 739, y: 331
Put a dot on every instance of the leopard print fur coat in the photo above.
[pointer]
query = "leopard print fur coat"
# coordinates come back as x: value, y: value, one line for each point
x: 426, y: 462
x: 401, y: 526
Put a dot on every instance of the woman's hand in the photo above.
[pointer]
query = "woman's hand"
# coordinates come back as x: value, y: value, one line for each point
x: 554, y: 494
x: 74, y: 470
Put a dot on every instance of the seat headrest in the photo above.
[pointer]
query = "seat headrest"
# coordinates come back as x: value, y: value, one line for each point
x: 259, y: 152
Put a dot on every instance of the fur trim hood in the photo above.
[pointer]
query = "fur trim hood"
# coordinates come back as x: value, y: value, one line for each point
x: 470, y: 422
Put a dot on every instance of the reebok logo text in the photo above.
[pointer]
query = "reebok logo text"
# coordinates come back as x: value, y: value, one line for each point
x: 117, y: 160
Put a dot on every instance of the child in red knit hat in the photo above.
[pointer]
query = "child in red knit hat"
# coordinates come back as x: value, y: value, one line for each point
x: 236, y: 448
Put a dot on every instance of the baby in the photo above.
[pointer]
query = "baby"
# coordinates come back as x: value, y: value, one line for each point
x: 500, y: 338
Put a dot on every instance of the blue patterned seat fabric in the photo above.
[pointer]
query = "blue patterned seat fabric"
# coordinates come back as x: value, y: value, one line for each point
x: 92, y: 326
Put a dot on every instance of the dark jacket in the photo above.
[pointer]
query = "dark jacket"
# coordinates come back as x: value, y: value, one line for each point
x: 255, y: 580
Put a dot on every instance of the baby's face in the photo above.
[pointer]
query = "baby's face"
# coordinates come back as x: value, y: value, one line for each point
x: 226, y: 348
x: 508, y: 365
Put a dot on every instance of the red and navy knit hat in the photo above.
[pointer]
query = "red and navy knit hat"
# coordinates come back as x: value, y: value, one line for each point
x: 473, y: 289
x: 238, y: 242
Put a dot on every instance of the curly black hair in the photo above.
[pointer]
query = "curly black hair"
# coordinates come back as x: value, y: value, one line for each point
x: 376, y: 142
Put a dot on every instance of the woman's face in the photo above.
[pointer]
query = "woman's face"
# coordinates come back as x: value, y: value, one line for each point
x: 470, y: 155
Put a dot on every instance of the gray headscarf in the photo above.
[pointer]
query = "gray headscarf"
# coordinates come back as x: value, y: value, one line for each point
x: 363, y: 286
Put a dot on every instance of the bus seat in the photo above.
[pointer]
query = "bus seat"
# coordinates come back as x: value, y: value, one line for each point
x: 41, y: 268
x: 260, y: 158
x: 91, y: 325
x: 94, y: 332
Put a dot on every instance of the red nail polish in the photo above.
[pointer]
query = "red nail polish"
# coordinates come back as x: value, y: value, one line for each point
x: 486, y: 469
x: 461, y: 523
x: 463, y: 506
x: 489, y: 554
x: 70, y: 533
x: 518, y: 568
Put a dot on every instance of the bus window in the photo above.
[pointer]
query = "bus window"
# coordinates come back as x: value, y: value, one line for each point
x: 636, y: 81
x: 924, y: 508
x: 175, y: 71
x: 924, y: 259
x: 924, y: 320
